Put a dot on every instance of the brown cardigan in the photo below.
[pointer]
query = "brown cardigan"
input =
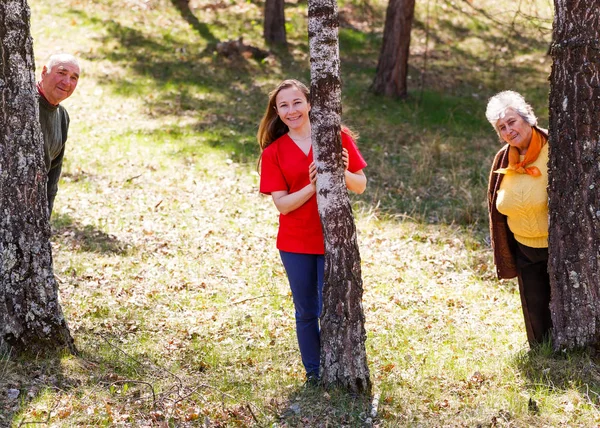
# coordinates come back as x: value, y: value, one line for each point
x: 502, y: 239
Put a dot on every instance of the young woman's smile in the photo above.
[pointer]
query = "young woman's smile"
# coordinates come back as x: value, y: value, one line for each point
x: 293, y: 108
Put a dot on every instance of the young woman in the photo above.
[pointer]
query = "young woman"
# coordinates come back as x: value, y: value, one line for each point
x: 288, y: 174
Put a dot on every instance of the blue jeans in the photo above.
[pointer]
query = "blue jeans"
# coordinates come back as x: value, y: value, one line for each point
x: 305, y: 273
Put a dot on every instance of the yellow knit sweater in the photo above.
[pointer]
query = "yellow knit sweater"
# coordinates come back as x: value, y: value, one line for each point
x: 524, y: 200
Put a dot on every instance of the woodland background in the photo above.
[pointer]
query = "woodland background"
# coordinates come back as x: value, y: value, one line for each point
x: 165, y: 251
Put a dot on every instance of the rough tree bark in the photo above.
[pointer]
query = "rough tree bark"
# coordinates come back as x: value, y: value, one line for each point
x: 274, y: 25
x: 392, y: 68
x: 31, y: 318
x: 574, y: 176
x: 343, y: 354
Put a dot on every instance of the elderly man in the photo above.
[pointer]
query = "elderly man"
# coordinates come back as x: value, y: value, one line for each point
x: 59, y: 79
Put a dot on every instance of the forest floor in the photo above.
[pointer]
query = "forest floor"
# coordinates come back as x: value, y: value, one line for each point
x: 165, y: 252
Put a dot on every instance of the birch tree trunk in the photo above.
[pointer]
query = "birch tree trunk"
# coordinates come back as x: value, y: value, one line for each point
x: 392, y: 68
x: 574, y: 177
x: 31, y: 318
x: 274, y: 25
x: 343, y: 354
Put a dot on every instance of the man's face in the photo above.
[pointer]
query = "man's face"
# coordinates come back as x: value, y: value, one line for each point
x: 60, y: 81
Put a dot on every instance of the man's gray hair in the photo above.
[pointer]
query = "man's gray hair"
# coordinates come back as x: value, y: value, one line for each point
x: 502, y: 101
x: 61, y: 58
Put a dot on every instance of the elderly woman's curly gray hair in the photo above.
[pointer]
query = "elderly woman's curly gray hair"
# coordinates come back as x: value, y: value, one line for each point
x: 502, y: 101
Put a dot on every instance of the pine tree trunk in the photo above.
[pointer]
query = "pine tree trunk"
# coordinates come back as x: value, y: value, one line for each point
x: 574, y: 177
x: 392, y: 68
x: 31, y: 318
x: 343, y: 354
x: 274, y: 30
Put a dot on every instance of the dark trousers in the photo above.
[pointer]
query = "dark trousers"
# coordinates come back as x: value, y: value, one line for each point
x: 305, y: 273
x: 534, y: 288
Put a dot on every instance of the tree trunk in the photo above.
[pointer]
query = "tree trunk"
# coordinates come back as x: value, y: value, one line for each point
x: 392, y: 68
x: 574, y: 176
x: 31, y: 318
x: 274, y: 30
x: 343, y: 354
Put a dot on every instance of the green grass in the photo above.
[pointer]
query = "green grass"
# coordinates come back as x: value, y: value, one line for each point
x: 165, y: 252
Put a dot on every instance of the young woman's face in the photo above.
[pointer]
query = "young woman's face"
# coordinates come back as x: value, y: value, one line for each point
x: 514, y: 130
x: 292, y: 107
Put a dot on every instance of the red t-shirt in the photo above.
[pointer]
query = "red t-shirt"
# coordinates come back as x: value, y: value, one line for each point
x: 284, y: 166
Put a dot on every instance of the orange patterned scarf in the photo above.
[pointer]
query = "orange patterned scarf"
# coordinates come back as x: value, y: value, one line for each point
x: 533, y: 151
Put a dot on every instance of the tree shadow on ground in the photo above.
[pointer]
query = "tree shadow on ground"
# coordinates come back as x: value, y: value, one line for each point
x: 86, y: 237
x: 219, y: 98
x: 114, y: 375
x: 558, y: 372
x: 315, y: 406
x: 183, y: 6
x: 419, y: 162
x: 131, y: 387
x: 25, y: 380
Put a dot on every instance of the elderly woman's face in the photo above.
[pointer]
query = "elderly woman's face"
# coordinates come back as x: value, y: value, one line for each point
x: 514, y: 130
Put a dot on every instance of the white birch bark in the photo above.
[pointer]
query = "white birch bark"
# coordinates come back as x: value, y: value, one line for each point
x: 343, y: 354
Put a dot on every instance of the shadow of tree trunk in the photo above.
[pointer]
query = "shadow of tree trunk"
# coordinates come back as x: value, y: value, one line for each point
x: 23, y: 381
x: 183, y: 7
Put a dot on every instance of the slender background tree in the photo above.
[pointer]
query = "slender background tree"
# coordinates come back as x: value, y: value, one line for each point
x: 274, y: 24
x: 392, y: 68
x: 31, y: 318
x: 574, y: 177
x: 343, y: 354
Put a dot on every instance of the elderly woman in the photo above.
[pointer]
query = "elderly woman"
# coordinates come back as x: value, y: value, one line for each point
x: 518, y: 207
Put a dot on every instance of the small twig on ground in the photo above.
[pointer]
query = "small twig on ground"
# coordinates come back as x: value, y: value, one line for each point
x: 119, y: 349
x: 154, y: 365
x: 186, y: 396
x: 130, y: 179
x: 121, y: 382
x: 253, y: 298
x: 164, y: 396
x: 46, y: 422
x: 181, y: 386
x: 252, y: 413
x: 218, y: 390
x: 587, y: 395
